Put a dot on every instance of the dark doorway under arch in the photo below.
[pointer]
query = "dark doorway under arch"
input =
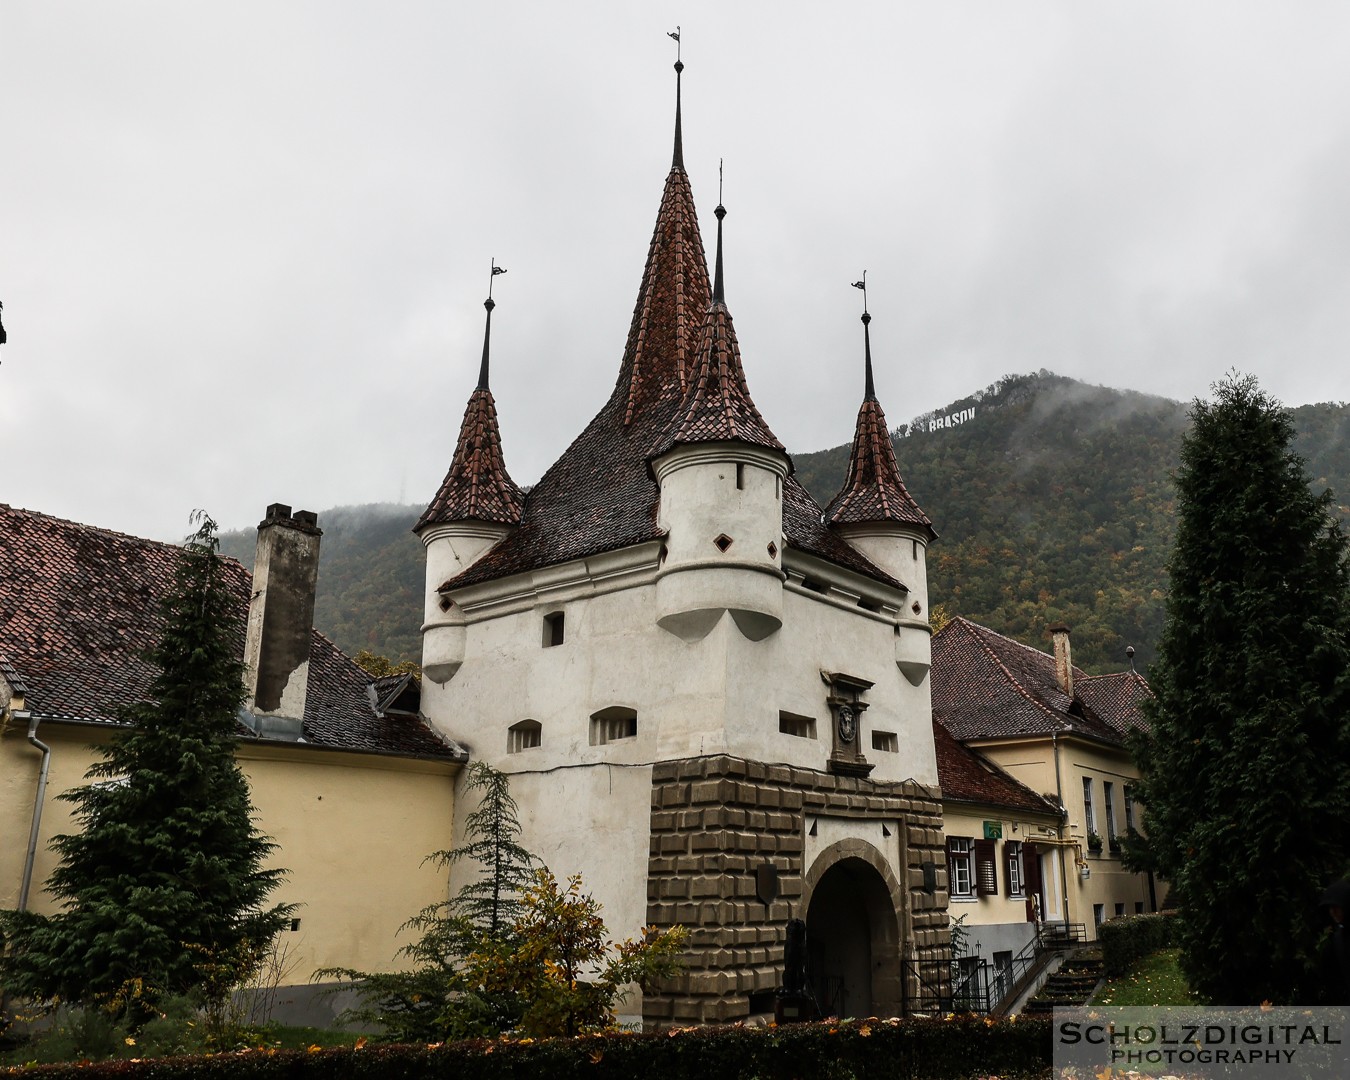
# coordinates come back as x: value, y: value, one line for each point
x: 852, y: 936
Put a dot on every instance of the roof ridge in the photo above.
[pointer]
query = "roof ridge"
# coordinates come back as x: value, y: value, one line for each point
x: 113, y: 533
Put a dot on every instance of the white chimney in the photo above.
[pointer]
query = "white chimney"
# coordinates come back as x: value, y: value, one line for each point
x: 281, y: 617
x: 1063, y: 659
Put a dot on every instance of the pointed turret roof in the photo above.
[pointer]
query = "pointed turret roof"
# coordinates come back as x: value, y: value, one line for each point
x: 599, y: 495
x: 873, y: 490
x: 477, y: 487
x: 672, y: 297
x: 718, y: 406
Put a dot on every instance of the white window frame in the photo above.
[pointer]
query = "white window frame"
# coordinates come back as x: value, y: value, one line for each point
x: 961, y: 854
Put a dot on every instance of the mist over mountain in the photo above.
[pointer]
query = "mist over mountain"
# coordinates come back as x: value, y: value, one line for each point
x: 1053, y: 501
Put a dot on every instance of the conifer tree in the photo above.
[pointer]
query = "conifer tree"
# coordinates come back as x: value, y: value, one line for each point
x: 164, y: 888
x: 1246, y: 783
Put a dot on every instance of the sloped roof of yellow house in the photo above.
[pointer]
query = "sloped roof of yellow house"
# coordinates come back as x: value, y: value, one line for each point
x: 80, y: 608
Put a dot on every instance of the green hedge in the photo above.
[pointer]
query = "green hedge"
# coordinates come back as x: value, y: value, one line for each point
x: 938, y: 1049
x: 1129, y: 938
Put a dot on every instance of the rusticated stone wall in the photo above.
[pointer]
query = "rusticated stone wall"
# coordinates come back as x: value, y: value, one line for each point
x: 716, y: 820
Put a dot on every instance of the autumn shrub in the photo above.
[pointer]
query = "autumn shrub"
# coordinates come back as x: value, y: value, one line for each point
x: 934, y: 1049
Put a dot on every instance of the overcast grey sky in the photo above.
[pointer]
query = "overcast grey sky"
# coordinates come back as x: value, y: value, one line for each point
x: 244, y: 247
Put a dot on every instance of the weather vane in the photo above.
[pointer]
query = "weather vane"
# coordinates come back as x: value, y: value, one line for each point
x: 863, y: 286
x: 495, y: 271
x: 676, y: 35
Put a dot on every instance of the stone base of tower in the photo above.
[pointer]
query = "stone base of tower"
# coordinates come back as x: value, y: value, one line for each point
x: 740, y: 847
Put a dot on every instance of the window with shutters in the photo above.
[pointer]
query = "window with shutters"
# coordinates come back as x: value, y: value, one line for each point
x: 986, y: 870
x: 960, y: 878
x: 1012, y: 855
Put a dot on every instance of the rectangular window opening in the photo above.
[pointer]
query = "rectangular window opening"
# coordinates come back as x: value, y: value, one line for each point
x: 1109, y: 797
x: 1089, y: 818
x: 802, y: 727
x: 814, y: 585
x: 886, y: 741
x: 740, y: 477
x: 554, y: 629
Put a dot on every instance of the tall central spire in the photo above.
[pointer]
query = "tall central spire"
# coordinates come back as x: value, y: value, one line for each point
x: 718, y: 406
x: 677, y: 159
x: 673, y: 294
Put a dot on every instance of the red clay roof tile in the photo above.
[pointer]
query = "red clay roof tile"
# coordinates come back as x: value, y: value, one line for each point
x: 966, y: 776
x: 873, y: 490
x: 79, y: 608
x: 986, y: 685
x: 477, y: 486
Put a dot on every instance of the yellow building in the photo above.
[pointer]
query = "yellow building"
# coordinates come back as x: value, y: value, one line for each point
x: 1061, y: 735
x: 346, y: 777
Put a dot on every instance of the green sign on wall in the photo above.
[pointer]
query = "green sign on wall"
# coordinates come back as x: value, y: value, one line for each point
x: 993, y: 830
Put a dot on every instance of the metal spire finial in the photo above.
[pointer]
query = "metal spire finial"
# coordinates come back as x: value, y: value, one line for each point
x: 489, y: 303
x: 719, y: 295
x: 869, y: 390
x: 677, y: 159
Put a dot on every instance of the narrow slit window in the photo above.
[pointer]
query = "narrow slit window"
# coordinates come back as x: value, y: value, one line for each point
x: 740, y: 477
x: 554, y: 629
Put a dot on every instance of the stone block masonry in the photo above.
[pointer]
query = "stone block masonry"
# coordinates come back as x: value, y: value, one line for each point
x: 715, y: 821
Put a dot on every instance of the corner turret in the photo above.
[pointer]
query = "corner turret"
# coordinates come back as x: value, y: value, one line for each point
x: 721, y: 473
x: 478, y: 504
x: 877, y: 515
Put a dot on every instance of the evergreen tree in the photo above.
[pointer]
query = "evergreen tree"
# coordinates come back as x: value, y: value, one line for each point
x: 1246, y: 782
x: 164, y: 887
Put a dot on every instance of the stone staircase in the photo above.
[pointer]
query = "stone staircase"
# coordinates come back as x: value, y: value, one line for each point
x: 1073, y: 984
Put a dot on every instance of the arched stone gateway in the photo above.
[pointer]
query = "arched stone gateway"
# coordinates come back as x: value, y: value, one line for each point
x: 854, y: 928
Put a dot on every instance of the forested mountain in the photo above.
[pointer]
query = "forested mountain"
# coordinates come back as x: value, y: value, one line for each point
x: 1052, y: 500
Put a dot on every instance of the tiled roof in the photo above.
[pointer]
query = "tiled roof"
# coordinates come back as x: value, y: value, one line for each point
x: 718, y: 406
x: 599, y: 495
x: 873, y: 490
x: 986, y: 685
x: 966, y: 776
x: 1115, y: 698
x: 79, y: 608
x: 671, y: 302
x: 477, y: 486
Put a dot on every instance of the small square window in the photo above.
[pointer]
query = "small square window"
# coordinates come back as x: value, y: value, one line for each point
x: 554, y: 629
x: 886, y: 741
x: 803, y: 727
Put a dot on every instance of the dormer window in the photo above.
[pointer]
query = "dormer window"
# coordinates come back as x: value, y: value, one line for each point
x: 554, y: 630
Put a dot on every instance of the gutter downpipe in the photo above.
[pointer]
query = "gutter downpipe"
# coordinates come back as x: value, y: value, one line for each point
x: 31, y: 857
x: 1063, y: 814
